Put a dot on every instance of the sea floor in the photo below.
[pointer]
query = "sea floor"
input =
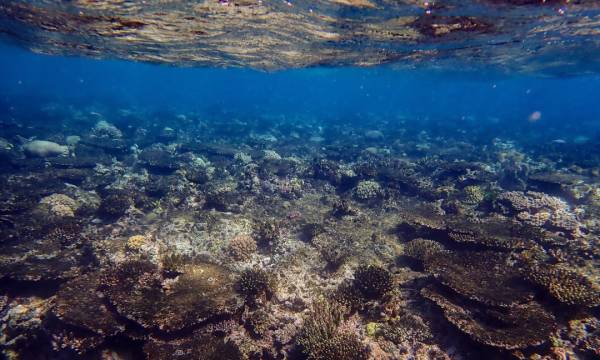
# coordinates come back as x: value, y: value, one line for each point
x: 130, y: 234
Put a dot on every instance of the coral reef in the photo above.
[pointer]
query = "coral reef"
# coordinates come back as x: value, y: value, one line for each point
x: 142, y: 293
x: 372, y: 281
x: 488, y: 277
x: 222, y: 235
x: 566, y: 285
x: 256, y: 283
x: 241, y: 247
x: 322, y: 336
x: 366, y: 190
x: 516, y: 327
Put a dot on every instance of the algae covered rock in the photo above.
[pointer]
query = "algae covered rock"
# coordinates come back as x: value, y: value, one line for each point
x: 171, y: 301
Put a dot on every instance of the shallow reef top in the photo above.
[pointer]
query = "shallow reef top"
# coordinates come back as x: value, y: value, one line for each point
x: 534, y: 36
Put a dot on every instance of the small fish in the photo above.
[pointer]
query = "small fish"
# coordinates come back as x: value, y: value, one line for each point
x: 559, y: 141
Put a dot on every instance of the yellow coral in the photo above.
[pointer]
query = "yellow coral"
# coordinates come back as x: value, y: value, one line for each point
x: 372, y: 328
x: 136, y: 242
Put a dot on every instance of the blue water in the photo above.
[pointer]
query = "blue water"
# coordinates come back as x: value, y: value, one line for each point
x: 328, y: 93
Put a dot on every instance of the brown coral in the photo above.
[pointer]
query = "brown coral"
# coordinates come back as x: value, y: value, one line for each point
x: 565, y: 285
x: 488, y: 277
x: 514, y: 327
x: 241, y: 247
x: 422, y: 248
x: 197, y: 292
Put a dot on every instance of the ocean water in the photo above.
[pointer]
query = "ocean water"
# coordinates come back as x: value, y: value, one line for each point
x: 232, y: 198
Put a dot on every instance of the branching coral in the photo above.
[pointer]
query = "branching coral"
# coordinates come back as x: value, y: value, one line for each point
x: 323, y: 338
x: 422, y: 248
x: 565, y: 285
x: 372, y: 281
x: 241, y: 247
x: 256, y: 282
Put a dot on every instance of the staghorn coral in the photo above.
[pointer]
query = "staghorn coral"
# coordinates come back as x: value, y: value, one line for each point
x: 372, y: 281
x: 335, y: 246
x: 267, y: 232
x: 241, y: 247
x: 422, y: 248
x: 565, y: 285
x: 488, y: 277
x: 514, y: 327
x: 194, y: 292
x: 323, y: 338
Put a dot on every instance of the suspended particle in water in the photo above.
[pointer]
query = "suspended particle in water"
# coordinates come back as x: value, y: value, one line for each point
x: 535, y: 116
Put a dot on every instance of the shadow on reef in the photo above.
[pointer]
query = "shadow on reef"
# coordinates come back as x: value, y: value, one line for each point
x: 273, y: 238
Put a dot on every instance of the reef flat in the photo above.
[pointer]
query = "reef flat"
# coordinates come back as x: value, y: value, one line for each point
x: 533, y: 36
x: 130, y: 234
